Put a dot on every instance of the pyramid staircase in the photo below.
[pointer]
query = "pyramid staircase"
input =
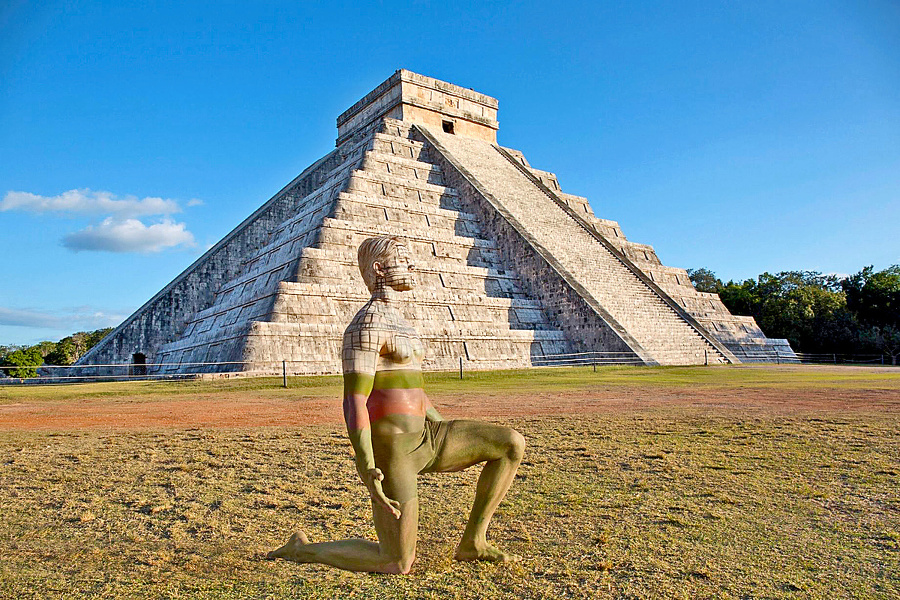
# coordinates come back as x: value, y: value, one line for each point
x: 647, y: 320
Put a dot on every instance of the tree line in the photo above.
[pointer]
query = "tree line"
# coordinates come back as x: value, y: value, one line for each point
x: 857, y: 314
x: 26, y: 359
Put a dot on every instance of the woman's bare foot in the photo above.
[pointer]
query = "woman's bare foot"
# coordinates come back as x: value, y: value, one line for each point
x: 483, y: 552
x: 292, y: 549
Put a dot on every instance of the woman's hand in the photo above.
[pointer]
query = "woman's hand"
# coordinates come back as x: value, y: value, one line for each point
x: 373, y: 478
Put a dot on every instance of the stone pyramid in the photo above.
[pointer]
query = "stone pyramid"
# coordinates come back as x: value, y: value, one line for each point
x: 512, y: 271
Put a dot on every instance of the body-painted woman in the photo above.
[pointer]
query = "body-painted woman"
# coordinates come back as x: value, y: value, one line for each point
x: 396, y: 433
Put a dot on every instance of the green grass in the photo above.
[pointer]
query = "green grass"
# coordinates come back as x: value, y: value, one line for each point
x: 568, y: 378
x: 315, y: 386
x: 653, y: 504
x: 477, y: 382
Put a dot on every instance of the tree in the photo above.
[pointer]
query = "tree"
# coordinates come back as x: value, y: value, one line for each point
x: 69, y: 349
x: 26, y: 360
x: 705, y: 280
x: 65, y: 353
x: 806, y: 307
x: 874, y: 298
x: 95, y: 337
x: 886, y: 339
x: 45, y: 347
x: 740, y: 298
x: 6, y: 350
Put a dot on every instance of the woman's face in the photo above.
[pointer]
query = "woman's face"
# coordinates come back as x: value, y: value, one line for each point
x: 398, y: 270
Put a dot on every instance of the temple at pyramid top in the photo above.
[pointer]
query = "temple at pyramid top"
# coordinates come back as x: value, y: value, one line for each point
x: 414, y: 98
x: 512, y: 271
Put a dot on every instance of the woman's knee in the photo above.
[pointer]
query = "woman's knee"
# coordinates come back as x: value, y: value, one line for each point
x: 515, y: 445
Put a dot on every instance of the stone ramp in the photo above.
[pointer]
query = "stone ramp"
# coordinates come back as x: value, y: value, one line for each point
x: 661, y: 334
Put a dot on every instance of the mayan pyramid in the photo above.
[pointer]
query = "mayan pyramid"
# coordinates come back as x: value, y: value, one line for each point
x: 511, y: 270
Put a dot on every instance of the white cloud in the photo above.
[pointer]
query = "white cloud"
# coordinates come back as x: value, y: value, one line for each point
x: 86, y: 201
x: 80, y: 318
x: 129, y: 235
x: 121, y: 230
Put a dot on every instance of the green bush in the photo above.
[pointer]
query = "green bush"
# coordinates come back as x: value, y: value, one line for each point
x: 26, y: 360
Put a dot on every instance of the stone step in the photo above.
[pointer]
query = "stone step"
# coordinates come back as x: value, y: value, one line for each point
x: 345, y: 256
x: 424, y: 296
x: 395, y: 127
x: 354, y: 207
x: 428, y: 217
x: 437, y: 321
x: 414, y: 206
x: 321, y: 264
x: 405, y: 147
x: 382, y: 184
x: 349, y: 288
x: 399, y: 166
x: 432, y: 235
x: 449, y: 332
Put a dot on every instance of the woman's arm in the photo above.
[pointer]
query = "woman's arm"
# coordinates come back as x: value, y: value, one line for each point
x: 431, y: 413
x: 357, y: 387
x: 359, y: 378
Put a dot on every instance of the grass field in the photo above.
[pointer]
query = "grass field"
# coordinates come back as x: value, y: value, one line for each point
x: 546, y: 379
x: 657, y: 501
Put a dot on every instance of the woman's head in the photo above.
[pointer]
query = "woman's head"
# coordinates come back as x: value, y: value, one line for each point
x: 384, y: 256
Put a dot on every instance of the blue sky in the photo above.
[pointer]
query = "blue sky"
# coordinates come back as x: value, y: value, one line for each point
x: 738, y: 136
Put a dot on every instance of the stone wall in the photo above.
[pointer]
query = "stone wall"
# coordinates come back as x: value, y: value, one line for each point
x: 415, y: 98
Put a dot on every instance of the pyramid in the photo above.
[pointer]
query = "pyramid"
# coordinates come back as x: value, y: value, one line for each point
x: 512, y: 272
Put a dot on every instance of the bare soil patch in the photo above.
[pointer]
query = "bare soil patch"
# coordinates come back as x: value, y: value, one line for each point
x: 260, y: 409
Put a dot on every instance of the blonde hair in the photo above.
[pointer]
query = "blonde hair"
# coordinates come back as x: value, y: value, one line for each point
x: 372, y: 250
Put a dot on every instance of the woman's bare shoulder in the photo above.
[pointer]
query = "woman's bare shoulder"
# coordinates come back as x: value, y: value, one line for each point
x: 373, y: 321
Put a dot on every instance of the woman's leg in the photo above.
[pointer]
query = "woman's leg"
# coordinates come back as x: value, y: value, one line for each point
x: 501, y: 448
x: 394, y: 552
x: 396, y: 547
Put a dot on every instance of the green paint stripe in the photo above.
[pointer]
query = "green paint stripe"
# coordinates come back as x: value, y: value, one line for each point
x: 401, y: 379
x: 363, y: 383
x: 357, y: 383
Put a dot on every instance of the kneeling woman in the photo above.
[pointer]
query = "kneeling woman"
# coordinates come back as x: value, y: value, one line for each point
x: 397, y: 433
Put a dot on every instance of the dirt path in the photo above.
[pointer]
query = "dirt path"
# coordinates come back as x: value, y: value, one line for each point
x: 245, y: 410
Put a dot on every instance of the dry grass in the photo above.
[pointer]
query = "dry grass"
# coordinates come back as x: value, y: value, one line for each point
x: 658, y: 503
